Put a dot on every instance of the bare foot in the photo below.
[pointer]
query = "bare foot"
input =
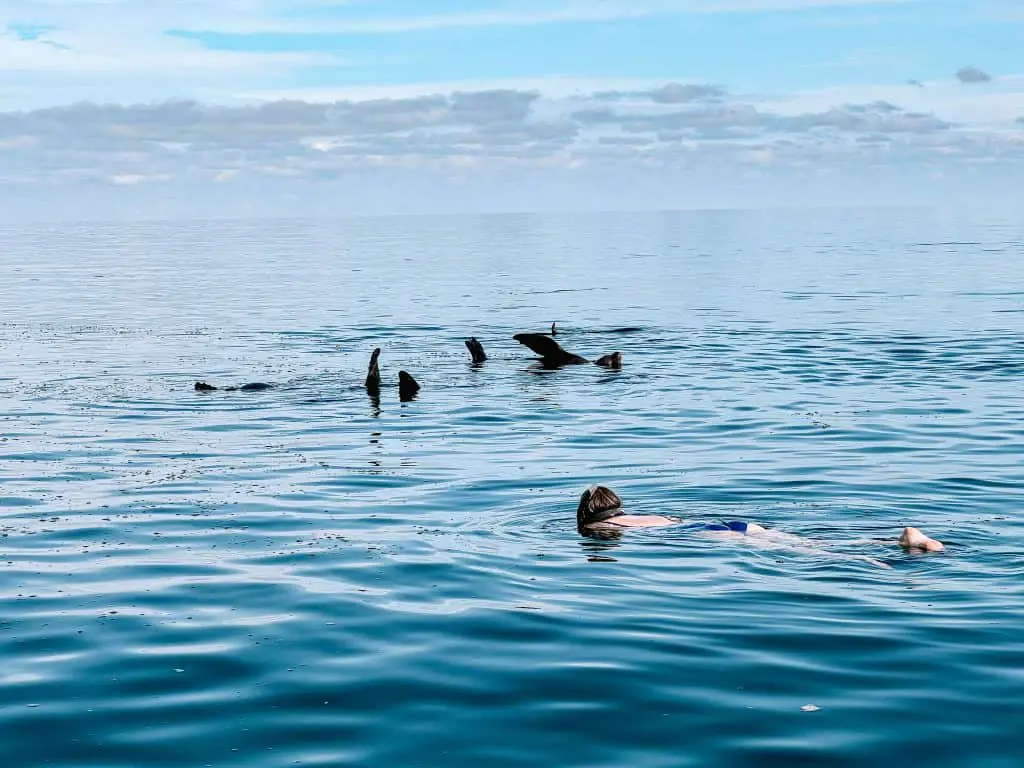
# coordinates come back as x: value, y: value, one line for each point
x: 913, y: 538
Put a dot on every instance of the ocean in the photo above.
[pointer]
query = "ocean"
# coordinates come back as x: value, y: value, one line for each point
x: 312, y: 576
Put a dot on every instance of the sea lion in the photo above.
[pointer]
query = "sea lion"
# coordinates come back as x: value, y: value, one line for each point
x: 613, y: 361
x: 373, y: 374
x: 256, y: 386
x: 553, y: 356
x: 407, y: 387
x: 476, y: 349
x: 550, y: 351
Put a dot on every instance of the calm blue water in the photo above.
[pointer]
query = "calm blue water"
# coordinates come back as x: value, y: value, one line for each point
x: 304, y: 577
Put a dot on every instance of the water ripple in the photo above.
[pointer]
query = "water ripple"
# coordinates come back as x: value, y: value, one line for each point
x: 309, y: 576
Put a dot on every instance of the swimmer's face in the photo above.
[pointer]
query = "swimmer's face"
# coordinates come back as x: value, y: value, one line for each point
x: 596, y: 504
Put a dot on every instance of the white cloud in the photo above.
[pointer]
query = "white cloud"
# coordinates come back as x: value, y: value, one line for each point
x: 997, y: 104
x: 54, y: 51
x: 309, y: 16
x: 118, y: 50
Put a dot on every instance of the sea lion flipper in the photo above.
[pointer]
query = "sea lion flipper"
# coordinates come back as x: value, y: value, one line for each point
x: 407, y: 386
x: 549, y: 349
x: 476, y: 349
x: 613, y: 361
x: 373, y: 373
x: 542, y: 344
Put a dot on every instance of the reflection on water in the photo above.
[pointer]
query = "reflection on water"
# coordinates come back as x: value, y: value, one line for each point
x: 317, y: 575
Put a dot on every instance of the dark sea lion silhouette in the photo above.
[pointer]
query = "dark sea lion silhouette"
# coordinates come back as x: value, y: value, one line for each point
x: 476, y: 349
x: 256, y: 386
x: 373, y: 374
x: 407, y: 387
x: 550, y: 351
x: 552, y: 354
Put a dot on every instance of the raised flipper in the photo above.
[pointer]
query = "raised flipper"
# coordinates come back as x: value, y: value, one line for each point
x: 202, y: 386
x: 476, y: 349
x: 407, y: 387
x: 613, y: 361
x: 373, y: 374
x: 550, y: 350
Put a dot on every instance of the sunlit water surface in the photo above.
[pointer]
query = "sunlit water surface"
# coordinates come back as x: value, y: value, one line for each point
x: 304, y: 576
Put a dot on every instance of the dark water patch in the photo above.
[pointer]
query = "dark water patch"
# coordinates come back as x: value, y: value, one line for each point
x: 18, y: 501
x: 947, y: 243
x: 35, y: 456
x: 562, y: 290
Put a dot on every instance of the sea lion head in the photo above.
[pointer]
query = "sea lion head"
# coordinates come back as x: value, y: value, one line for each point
x: 597, y: 504
x: 407, y: 386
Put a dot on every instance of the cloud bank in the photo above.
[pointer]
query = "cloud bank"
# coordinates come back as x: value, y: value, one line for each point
x: 671, y: 125
x: 514, y: 147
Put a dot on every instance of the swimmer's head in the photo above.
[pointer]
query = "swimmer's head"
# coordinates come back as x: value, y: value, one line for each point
x: 597, y: 504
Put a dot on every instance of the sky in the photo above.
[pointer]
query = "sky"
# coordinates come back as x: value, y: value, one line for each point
x: 166, y: 108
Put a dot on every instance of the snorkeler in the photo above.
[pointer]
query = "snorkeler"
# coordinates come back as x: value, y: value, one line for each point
x: 600, y: 513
